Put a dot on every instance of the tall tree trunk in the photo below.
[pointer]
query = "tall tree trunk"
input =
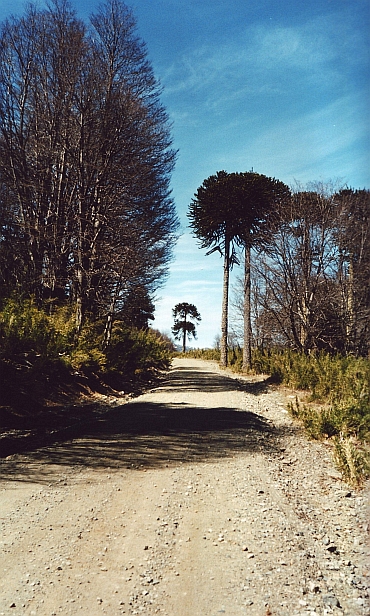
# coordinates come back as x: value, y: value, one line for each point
x: 350, y: 321
x: 247, y: 347
x: 110, y: 315
x: 80, y: 274
x: 225, y: 304
x: 79, y: 307
x: 184, y: 337
x: 303, y: 312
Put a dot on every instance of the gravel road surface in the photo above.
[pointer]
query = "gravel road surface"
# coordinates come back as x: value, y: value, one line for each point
x: 198, y: 498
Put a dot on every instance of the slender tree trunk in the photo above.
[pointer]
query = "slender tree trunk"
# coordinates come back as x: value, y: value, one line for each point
x: 225, y: 304
x: 350, y: 315
x: 79, y: 308
x: 184, y: 337
x: 79, y: 282
x: 303, y: 314
x: 110, y: 317
x: 247, y: 347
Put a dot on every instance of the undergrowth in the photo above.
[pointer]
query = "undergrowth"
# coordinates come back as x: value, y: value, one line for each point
x: 337, y: 405
x: 39, y: 352
x: 210, y: 354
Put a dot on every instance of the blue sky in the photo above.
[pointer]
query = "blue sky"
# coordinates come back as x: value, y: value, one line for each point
x: 280, y: 87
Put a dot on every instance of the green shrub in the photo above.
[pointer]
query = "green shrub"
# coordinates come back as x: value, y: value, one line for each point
x: 206, y: 354
x: 352, y: 459
x: 342, y: 386
x: 26, y: 331
x: 235, y: 359
x: 135, y: 353
x: 40, y: 350
x: 332, y: 379
x: 87, y: 355
x: 34, y: 352
x: 321, y: 422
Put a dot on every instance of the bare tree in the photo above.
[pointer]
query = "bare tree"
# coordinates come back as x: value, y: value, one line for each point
x: 39, y: 56
x: 86, y: 152
x: 354, y: 267
x: 299, y: 266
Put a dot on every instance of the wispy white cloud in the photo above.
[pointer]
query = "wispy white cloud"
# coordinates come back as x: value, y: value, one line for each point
x: 328, y: 140
x: 315, y: 140
x: 282, y: 96
x: 269, y: 50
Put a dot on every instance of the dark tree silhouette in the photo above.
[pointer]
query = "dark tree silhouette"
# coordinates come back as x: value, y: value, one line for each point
x: 183, y: 326
x: 260, y: 198
x: 85, y: 159
x: 231, y: 210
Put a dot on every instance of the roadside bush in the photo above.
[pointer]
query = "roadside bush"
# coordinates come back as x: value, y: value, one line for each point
x: 134, y: 353
x: 342, y: 387
x: 86, y: 355
x: 39, y: 352
x: 26, y: 331
x: 352, y: 459
x: 34, y: 352
x: 332, y: 379
x: 210, y: 354
x: 329, y: 421
x: 131, y: 352
x: 235, y: 359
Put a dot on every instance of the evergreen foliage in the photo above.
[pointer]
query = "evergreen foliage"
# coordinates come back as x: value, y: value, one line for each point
x: 230, y: 210
x: 183, y: 326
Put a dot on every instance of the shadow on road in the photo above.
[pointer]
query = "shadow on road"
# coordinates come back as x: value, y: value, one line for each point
x: 147, y: 434
x: 197, y: 379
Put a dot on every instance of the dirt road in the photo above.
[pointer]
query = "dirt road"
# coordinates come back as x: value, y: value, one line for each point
x: 199, y: 498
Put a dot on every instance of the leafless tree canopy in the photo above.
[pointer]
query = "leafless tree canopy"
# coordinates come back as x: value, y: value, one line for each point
x: 85, y: 160
x: 312, y: 282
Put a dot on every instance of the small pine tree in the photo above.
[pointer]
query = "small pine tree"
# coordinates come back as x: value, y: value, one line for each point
x: 183, y: 327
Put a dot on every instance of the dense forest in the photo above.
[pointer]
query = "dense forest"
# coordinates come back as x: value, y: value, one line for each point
x: 87, y: 222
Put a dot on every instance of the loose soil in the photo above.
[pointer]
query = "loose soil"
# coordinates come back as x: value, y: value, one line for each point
x: 198, y: 498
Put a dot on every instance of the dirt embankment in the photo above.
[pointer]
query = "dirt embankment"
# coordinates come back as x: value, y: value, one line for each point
x: 201, y: 497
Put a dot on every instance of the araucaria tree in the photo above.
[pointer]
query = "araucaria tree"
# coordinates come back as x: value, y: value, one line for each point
x: 260, y: 199
x: 183, y: 314
x: 85, y: 161
x: 230, y: 210
x: 212, y: 218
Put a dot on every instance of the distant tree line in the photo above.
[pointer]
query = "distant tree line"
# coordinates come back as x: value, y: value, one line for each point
x: 311, y: 285
x: 86, y: 215
x: 306, y: 283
